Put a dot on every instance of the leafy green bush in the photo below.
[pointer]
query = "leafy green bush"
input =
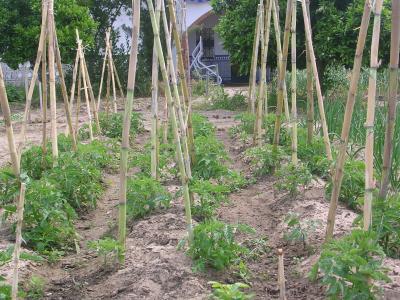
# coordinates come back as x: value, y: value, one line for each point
x: 246, y: 123
x: 78, y: 180
x: 145, y: 195
x: 210, y: 197
x: 229, y: 291
x: 9, y: 187
x: 111, y: 125
x: 291, y: 177
x: 298, y: 232
x: 34, y: 288
x: 33, y: 163
x: 199, y: 87
x: 201, y: 126
x: 48, y: 217
x: 107, y: 247
x: 351, y: 265
x: 263, y: 160
x: 269, y: 126
x: 214, y: 245
x: 15, y: 94
x: 220, y: 100
x: 210, y: 158
x: 353, y: 184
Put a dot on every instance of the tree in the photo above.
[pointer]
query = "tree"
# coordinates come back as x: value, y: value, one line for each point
x: 334, y: 23
x: 20, y: 29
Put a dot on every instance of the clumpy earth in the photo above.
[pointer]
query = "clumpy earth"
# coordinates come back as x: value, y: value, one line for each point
x: 156, y: 269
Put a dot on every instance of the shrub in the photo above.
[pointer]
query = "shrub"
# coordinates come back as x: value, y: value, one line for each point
x: 353, y: 184
x: 229, y: 291
x: 201, y: 126
x: 33, y: 163
x: 221, y: 100
x: 298, y: 232
x: 210, y: 197
x: 291, y: 177
x: 210, y: 158
x: 9, y: 187
x: 214, y: 245
x: 246, y: 123
x: 199, y: 87
x: 144, y: 195
x: 78, y: 180
x: 269, y: 126
x: 47, y: 218
x: 350, y: 265
x: 107, y: 247
x: 263, y: 160
x: 15, y: 94
x: 111, y: 125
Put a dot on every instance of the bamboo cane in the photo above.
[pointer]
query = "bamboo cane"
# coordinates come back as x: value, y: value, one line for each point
x: 18, y: 239
x: 126, y: 129
x: 5, y: 107
x: 108, y: 93
x: 41, y: 48
x: 275, y: 13
x: 338, y: 175
x: 112, y: 77
x: 369, y: 125
x: 263, y: 90
x: 183, y: 81
x: 256, y: 139
x: 78, y: 103
x: 181, y: 163
x: 294, y: 84
x: 85, y: 86
x: 310, y: 92
x: 282, y: 72
x: 121, y: 90
x: 52, y: 80
x: 253, y: 68
x: 154, y: 101
x: 281, y: 276
x: 393, y: 87
x: 44, y: 104
x: 103, y: 69
x: 254, y: 63
x: 74, y: 76
x: 321, y: 108
x: 64, y: 89
x: 181, y: 122
x: 91, y: 93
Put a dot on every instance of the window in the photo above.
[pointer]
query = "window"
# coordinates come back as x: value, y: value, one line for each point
x: 207, y: 35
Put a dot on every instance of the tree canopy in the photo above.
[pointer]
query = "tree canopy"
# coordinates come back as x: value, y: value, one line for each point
x: 20, y: 28
x: 334, y: 23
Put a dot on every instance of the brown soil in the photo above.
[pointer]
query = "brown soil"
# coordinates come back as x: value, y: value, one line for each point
x: 155, y: 269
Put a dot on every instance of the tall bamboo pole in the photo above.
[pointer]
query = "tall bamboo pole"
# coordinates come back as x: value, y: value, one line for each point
x: 253, y: 69
x: 73, y: 85
x: 181, y: 163
x: 154, y: 101
x: 281, y: 276
x: 108, y: 89
x: 321, y: 108
x: 126, y: 129
x: 52, y: 80
x: 257, y: 136
x: 275, y: 13
x: 18, y: 240
x: 103, y: 68
x: 41, y: 49
x: 78, y: 103
x: 183, y: 81
x: 112, y: 77
x: 338, y: 175
x: 85, y: 86
x: 282, y: 72
x: 294, y: 83
x: 393, y: 88
x: 64, y: 92
x: 263, y: 90
x: 121, y: 91
x: 369, y: 125
x: 310, y: 83
x: 44, y: 102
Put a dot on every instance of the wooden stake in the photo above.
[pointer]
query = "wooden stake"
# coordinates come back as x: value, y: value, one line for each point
x: 281, y: 276
x: 52, y: 81
x: 74, y: 76
x: 78, y: 103
x: 181, y: 163
x: 338, y: 175
x: 108, y: 93
x: 121, y: 91
x: 112, y: 76
x: 392, y: 103
x: 85, y: 86
x: 294, y: 83
x: 321, y: 108
x: 369, y: 125
x: 126, y: 129
x: 310, y: 83
x: 282, y: 72
x: 253, y: 70
x: 103, y: 69
x: 18, y: 239
x: 154, y: 101
x: 41, y: 49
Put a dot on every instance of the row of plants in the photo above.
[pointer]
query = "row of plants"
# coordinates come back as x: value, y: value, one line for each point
x: 351, y: 266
